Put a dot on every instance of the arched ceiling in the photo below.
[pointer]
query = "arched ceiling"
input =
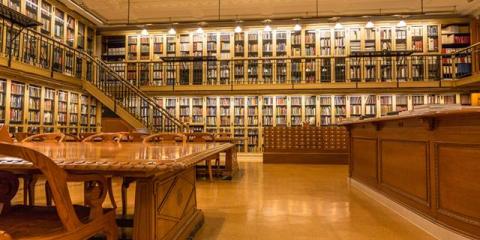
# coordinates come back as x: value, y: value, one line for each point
x: 148, y: 11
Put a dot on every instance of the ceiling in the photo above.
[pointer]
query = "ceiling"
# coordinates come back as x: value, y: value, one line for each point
x: 161, y: 11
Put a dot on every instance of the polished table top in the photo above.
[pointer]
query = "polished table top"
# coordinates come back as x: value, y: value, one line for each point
x: 120, y: 157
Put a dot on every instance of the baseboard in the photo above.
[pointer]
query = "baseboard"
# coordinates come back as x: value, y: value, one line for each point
x: 436, y: 230
x: 250, y: 157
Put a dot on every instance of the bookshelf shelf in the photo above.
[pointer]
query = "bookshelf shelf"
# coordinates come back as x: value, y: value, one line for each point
x: 325, y: 110
x: 355, y: 107
x: 401, y: 103
x: 225, y: 114
x: 386, y: 105
x: 211, y: 115
x: 17, y: 99
x: 281, y: 111
x: 34, y: 103
x: 371, y: 106
x: 311, y: 110
x: 239, y: 112
x: 3, y: 95
x: 267, y: 111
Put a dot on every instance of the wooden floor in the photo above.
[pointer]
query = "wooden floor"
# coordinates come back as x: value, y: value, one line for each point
x: 288, y: 202
x: 296, y: 202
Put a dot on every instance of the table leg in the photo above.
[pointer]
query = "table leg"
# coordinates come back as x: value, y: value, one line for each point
x: 166, y: 207
x: 231, y: 163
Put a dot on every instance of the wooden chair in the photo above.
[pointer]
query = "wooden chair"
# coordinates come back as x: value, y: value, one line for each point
x: 5, y: 135
x: 31, y: 180
x: 137, y: 136
x: 64, y: 220
x: 166, y: 137
x: 84, y: 135
x: 112, y: 138
x: 104, y: 137
x: 206, y: 137
x: 71, y: 138
x: 45, y: 137
x: 19, y: 136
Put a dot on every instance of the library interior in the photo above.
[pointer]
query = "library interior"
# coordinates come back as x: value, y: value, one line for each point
x: 239, y: 119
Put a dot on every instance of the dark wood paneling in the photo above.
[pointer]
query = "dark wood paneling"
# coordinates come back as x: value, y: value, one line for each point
x: 406, y: 177
x: 364, y: 159
x: 306, y: 158
x: 445, y: 190
x: 457, y: 168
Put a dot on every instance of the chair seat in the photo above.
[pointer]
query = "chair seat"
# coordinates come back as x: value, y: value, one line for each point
x: 41, y: 221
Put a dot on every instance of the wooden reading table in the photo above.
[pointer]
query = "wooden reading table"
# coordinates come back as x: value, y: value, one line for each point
x: 165, y: 199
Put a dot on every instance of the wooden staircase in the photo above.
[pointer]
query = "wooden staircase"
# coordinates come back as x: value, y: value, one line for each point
x: 128, y: 101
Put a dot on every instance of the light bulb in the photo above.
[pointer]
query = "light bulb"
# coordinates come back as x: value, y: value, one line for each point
x: 297, y: 27
x: 199, y: 30
x: 238, y: 29
x: 144, y: 32
x: 172, y: 31
x: 267, y: 28
x: 369, y: 24
x: 402, y: 23
x: 338, y: 25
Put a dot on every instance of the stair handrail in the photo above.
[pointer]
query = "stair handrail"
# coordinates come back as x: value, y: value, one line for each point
x: 99, y: 62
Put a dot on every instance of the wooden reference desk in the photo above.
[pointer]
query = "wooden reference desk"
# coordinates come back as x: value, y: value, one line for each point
x: 428, y: 161
x: 165, y: 199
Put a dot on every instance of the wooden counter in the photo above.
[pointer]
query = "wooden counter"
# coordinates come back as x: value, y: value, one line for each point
x: 428, y: 161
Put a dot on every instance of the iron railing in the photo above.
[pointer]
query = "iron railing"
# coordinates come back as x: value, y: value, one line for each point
x: 33, y: 48
x: 297, y: 70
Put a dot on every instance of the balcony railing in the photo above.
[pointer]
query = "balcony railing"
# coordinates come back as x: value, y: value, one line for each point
x: 299, y: 70
x: 33, y: 48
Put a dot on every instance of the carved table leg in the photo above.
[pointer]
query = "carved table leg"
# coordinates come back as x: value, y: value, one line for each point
x: 166, y: 207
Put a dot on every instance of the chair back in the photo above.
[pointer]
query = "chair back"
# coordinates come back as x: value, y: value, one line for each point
x: 166, y: 138
x: 137, y: 136
x: 71, y: 138
x: 84, y: 135
x: 46, y: 137
x: 5, y: 135
x: 56, y: 177
x: 104, y: 137
x: 200, y: 137
x: 21, y: 135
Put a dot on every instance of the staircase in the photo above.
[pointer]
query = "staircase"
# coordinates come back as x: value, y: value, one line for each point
x: 127, y: 100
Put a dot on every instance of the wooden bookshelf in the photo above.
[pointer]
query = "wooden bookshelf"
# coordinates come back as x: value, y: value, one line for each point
x: 40, y: 109
x: 248, y: 116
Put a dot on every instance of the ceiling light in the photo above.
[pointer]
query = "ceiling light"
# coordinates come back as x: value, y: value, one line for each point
x: 369, y: 24
x: 297, y: 27
x: 402, y: 23
x: 199, y: 30
x: 238, y: 29
x: 338, y: 25
x: 267, y: 28
x: 144, y: 32
x: 172, y: 31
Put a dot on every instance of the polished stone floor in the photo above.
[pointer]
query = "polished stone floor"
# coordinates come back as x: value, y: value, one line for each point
x: 295, y: 202
x: 291, y: 202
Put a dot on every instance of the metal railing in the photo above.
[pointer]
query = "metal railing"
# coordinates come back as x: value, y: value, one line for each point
x: 298, y: 70
x: 466, y: 61
x: 33, y: 48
